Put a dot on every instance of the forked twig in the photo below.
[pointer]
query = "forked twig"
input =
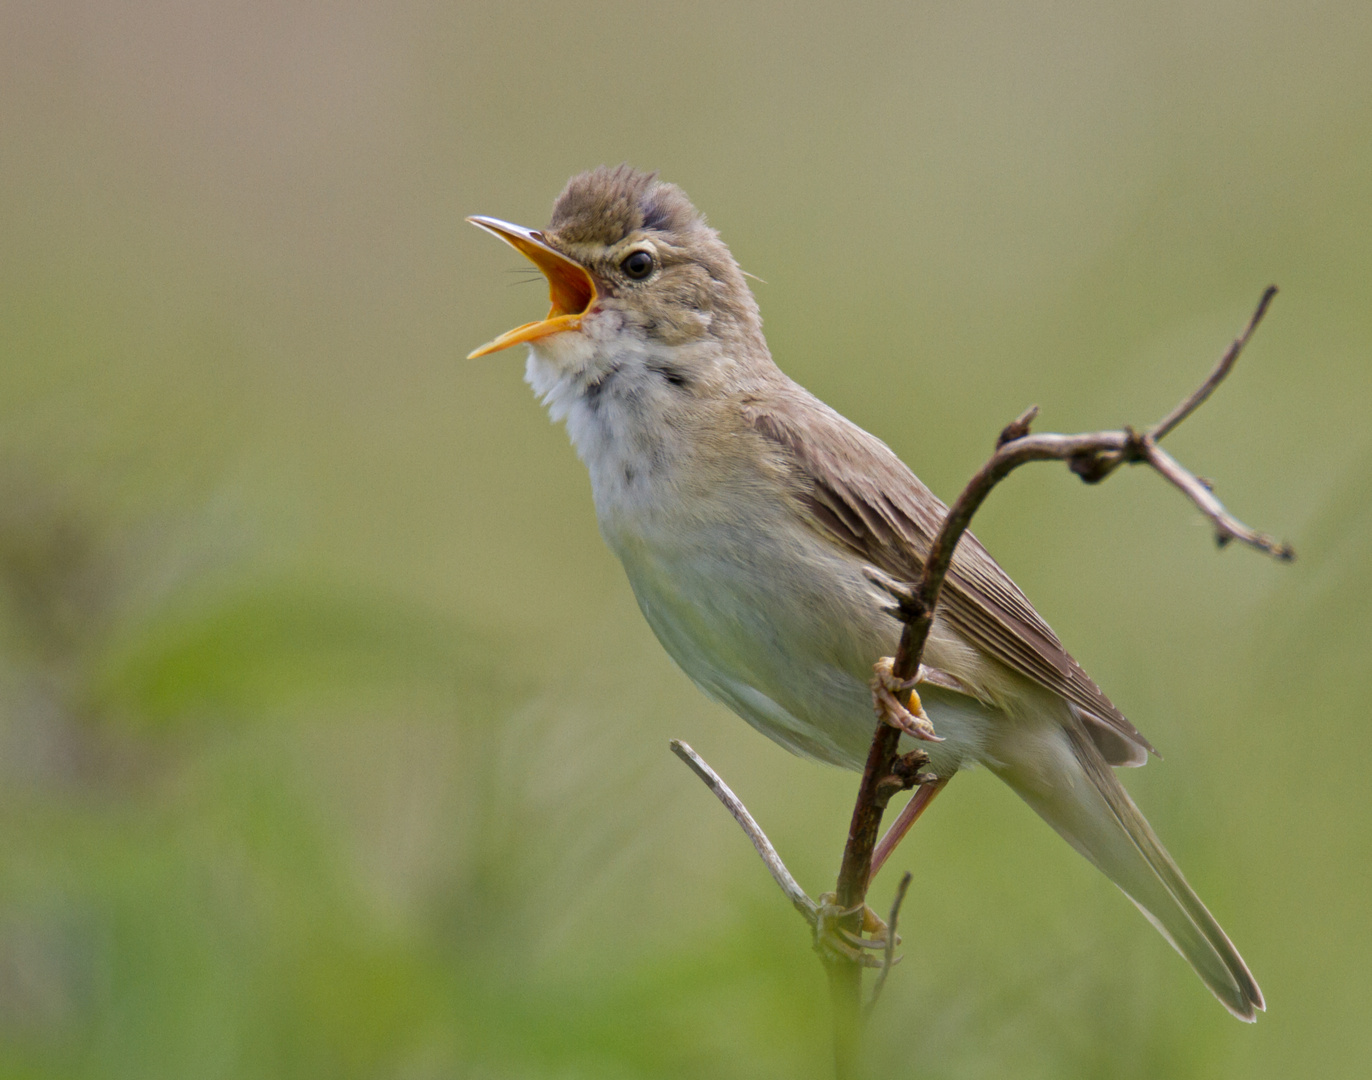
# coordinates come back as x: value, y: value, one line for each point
x: 1092, y: 456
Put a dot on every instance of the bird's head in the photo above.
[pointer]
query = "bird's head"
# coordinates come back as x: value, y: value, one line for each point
x: 631, y: 266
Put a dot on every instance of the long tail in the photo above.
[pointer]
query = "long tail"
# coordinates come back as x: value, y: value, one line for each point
x: 1072, y: 788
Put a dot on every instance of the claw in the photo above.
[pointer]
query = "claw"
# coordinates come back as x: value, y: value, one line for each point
x: 886, y: 689
x: 874, y: 924
x: 834, y: 940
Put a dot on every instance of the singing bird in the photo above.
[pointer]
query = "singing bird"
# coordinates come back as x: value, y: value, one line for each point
x: 750, y: 516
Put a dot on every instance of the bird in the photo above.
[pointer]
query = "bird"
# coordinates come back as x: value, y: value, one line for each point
x: 755, y: 524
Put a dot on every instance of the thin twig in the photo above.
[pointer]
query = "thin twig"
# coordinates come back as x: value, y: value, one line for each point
x: 1227, y: 527
x: 1093, y: 456
x: 888, y: 958
x: 1187, y: 407
x: 1103, y: 464
x: 801, y: 902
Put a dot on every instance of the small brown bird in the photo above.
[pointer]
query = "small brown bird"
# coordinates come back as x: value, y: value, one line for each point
x: 748, y: 516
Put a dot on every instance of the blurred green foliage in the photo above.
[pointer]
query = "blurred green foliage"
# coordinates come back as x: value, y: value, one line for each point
x: 331, y: 741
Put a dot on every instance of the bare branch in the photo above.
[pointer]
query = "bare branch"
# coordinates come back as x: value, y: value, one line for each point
x: 1227, y: 527
x: 1187, y: 407
x: 1105, y: 463
x: 888, y: 958
x: 799, y: 900
x: 1093, y: 456
x: 856, y: 869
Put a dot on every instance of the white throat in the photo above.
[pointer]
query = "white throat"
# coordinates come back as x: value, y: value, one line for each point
x: 616, y: 401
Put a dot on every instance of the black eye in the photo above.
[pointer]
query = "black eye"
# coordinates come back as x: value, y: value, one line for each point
x: 638, y: 265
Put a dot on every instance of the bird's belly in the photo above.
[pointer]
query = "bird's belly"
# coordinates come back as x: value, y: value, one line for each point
x: 784, y: 630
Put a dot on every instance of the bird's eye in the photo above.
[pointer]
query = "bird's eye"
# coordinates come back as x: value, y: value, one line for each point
x: 638, y: 265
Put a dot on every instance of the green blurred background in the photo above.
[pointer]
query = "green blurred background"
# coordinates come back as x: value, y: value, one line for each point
x: 331, y: 741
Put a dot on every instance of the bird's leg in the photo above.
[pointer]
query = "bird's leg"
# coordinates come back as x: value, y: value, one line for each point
x: 831, y: 939
x: 886, y: 701
x: 929, y: 786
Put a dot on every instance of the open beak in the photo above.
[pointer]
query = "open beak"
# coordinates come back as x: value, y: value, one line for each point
x: 570, y: 287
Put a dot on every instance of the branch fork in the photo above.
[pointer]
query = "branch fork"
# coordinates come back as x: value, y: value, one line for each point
x: 839, y: 919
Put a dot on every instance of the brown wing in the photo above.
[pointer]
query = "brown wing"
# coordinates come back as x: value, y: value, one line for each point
x: 857, y: 492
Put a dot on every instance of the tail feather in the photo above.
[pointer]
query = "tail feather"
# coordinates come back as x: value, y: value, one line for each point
x: 1092, y: 811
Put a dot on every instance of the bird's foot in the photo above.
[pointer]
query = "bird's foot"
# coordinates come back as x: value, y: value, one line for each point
x: 887, y: 691
x: 832, y: 940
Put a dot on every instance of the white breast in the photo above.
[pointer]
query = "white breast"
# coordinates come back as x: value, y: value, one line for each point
x: 756, y: 608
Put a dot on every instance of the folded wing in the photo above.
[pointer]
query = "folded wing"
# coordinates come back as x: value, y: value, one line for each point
x: 886, y: 516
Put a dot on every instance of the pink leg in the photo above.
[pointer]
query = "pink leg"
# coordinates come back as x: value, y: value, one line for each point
x: 919, y: 801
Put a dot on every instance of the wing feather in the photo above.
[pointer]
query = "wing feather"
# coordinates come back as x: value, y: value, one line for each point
x: 854, y: 490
